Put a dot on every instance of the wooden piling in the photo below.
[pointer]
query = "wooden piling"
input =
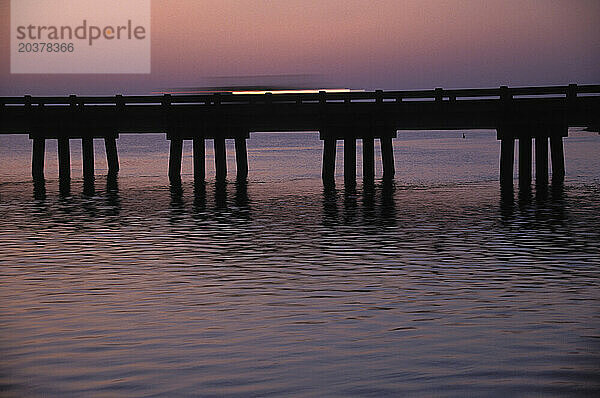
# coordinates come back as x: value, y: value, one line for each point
x: 37, y: 160
x: 64, y: 159
x: 507, y: 159
x: 241, y: 158
x: 175, y: 154
x: 199, y: 159
x: 368, y: 159
x: 525, y: 162
x: 87, y: 152
x: 350, y: 160
x: 220, y: 159
x: 387, y: 158
x: 541, y: 160
x: 112, y: 158
x: 558, y: 158
x: 328, y: 169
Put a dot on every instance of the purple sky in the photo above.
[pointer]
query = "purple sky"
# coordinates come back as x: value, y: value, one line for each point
x: 347, y: 43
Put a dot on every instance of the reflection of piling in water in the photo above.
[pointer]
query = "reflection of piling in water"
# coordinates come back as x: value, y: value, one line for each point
x: 39, y: 189
x: 525, y: 198
x: 368, y: 200
x: 507, y: 203
x: 378, y: 204
x: 350, y: 203
x: 199, y: 196
x: 330, y: 202
x: 112, y: 184
x: 176, y: 190
x: 242, y: 199
x: 239, y: 209
x: 112, y: 193
x: 89, y: 187
x: 221, y: 194
x: 388, y: 203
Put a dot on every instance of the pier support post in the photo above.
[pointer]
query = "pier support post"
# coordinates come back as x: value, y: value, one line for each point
x: 64, y: 159
x: 175, y: 154
x: 220, y: 159
x: 112, y: 158
x: 368, y: 159
x: 525, y: 162
x: 241, y: 158
x: 387, y: 158
x: 349, y: 160
x: 87, y: 152
x: 328, y: 170
x: 558, y: 158
x: 199, y: 159
x: 541, y: 160
x: 507, y: 159
x: 37, y: 160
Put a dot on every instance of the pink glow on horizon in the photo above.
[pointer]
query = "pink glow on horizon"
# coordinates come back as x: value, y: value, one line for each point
x: 380, y: 44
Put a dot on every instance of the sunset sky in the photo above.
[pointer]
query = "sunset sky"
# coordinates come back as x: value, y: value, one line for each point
x: 346, y: 43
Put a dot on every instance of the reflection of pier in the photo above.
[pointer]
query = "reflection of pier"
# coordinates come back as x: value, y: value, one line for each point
x: 531, y: 114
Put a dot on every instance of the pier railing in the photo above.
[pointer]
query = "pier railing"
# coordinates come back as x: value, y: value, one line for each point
x: 439, y: 94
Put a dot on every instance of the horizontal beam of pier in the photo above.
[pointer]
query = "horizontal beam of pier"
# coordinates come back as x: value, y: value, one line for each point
x: 350, y: 114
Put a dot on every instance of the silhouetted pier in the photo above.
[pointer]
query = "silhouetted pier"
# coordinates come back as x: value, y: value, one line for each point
x: 527, y: 114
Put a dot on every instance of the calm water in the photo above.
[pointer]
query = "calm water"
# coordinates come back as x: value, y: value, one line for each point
x: 431, y: 286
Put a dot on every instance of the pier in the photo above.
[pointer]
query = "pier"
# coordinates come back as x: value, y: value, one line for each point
x: 537, y: 118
